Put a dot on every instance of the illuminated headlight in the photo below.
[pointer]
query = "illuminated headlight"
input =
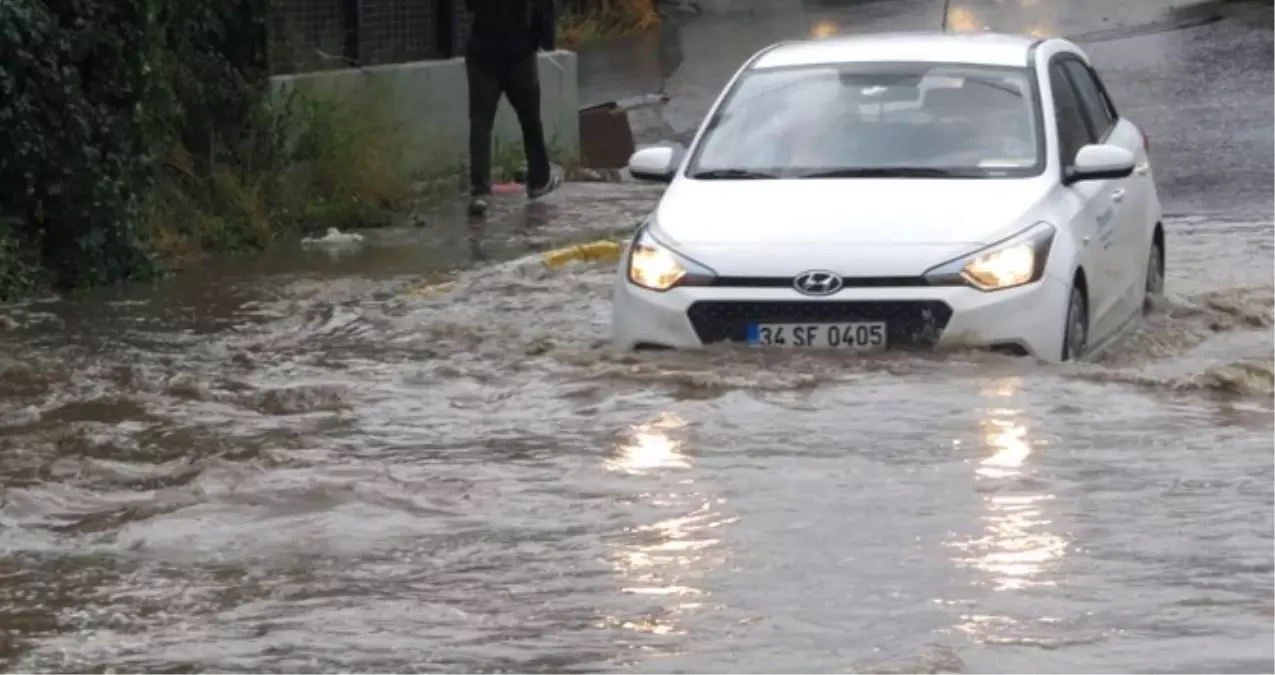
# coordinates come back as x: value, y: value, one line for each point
x: 654, y: 266
x: 1010, y: 263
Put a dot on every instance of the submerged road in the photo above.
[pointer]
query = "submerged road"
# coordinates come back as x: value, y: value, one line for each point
x: 292, y: 464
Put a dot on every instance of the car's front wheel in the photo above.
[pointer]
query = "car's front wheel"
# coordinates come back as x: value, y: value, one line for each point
x: 1076, y: 335
x: 1155, y: 278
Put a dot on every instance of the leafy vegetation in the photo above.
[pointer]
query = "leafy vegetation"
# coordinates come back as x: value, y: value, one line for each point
x: 136, y: 135
x: 75, y: 129
x: 139, y: 133
x: 304, y: 164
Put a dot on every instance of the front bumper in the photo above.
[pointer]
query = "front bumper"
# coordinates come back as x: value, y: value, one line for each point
x: 1027, y: 320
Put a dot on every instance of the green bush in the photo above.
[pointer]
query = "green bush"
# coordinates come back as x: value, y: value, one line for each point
x: 214, y: 71
x: 303, y: 164
x: 20, y: 269
x: 92, y: 93
x: 73, y: 137
x: 134, y: 133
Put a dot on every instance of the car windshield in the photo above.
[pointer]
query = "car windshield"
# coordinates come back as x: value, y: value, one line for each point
x: 875, y: 120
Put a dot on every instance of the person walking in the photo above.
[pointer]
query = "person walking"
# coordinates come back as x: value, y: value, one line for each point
x: 500, y: 58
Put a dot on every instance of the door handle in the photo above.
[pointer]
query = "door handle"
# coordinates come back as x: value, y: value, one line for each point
x: 1117, y: 195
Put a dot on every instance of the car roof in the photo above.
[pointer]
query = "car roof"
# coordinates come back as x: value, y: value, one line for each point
x: 985, y: 48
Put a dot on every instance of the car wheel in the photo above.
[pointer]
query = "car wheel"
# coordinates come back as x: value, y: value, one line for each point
x: 1076, y: 335
x: 1155, y: 278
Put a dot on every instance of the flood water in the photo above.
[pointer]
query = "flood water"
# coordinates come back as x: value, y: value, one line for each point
x: 297, y: 464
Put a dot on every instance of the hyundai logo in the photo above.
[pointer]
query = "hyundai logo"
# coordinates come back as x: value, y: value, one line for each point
x: 818, y: 282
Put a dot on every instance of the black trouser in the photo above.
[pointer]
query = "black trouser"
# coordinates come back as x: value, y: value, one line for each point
x: 519, y: 81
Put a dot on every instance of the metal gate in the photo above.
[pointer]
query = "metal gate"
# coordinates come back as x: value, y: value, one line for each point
x: 313, y: 35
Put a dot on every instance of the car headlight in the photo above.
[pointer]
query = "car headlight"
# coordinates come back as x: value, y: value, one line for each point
x: 656, y: 267
x: 1012, y: 262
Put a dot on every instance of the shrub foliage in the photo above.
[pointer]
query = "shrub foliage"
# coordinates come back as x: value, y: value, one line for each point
x: 135, y: 133
x: 93, y: 94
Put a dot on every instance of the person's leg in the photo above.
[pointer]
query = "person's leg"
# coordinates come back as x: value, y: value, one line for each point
x: 484, y: 96
x: 522, y: 86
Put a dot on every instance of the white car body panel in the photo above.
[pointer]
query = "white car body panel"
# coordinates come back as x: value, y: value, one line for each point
x: 1105, y: 232
x: 903, y: 227
x: 978, y: 318
x: 915, y: 211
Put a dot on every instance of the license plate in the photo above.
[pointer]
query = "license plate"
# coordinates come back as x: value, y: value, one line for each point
x: 859, y: 336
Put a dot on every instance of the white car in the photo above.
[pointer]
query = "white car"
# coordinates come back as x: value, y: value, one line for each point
x: 899, y: 190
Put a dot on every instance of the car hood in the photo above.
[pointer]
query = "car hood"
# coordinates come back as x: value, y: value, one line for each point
x: 855, y: 227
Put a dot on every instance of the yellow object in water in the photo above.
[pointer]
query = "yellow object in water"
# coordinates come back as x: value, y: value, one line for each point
x: 602, y: 250
x: 432, y: 290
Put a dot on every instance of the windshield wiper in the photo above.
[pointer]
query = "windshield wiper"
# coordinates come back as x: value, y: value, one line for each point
x: 886, y: 172
x: 1008, y: 89
x: 732, y: 173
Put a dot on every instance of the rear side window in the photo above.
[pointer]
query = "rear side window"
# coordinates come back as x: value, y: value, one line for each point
x: 1101, y: 113
x: 1073, y: 132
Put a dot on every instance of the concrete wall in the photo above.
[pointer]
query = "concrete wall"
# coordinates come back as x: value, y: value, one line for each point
x: 430, y: 98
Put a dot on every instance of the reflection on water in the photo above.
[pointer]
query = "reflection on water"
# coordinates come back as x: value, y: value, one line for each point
x: 1016, y: 547
x: 651, y: 448
x: 1007, y: 440
x: 663, y: 559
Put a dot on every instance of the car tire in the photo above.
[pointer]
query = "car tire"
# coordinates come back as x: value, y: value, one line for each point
x: 1076, y: 333
x: 1154, y: 291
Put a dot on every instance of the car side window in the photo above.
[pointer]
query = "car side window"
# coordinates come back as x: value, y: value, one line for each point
x: 1101, y: 112
x: 1073, y: 132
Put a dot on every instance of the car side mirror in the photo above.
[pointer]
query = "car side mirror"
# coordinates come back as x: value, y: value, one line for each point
x: 1100, y: 161
x: 657, y: 163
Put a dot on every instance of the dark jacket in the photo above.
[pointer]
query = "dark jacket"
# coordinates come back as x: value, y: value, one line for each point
x: 510, y: 29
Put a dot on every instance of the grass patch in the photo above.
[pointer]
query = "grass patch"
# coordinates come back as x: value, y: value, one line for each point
x: 306, y: 163
x: 611, y: 18
x: 311, y: 161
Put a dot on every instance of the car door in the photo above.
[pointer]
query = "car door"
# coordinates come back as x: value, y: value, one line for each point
x: 1093, y: 206
x: 1131, y: 196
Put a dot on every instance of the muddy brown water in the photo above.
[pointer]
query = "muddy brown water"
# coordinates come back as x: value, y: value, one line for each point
x: 308, y: 469
x: 292, y: 464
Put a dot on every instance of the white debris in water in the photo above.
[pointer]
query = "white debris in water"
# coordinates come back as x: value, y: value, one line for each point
x: 334, y: 237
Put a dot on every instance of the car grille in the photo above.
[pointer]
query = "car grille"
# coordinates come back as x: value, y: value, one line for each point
x: 847, y: 282
x: 909, y: 323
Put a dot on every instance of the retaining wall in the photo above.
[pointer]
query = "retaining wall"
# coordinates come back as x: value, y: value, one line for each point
x: 430, y: 98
